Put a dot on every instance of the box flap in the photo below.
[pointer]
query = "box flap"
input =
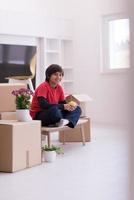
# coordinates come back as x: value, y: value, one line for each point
x: 79, y: 97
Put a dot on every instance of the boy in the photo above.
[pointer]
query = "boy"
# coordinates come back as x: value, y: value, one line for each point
x: 48, y: 103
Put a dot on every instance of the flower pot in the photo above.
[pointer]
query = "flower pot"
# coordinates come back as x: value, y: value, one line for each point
x: 23, y: 115
x: 50, y: 156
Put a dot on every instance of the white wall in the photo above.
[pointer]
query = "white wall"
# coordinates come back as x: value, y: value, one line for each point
x: 109, y: 92
x: 23, y: 6
x: 53, y: 8
x: 131, y: 102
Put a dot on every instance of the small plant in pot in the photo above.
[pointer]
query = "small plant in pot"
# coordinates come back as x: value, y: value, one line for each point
x: 23, y: 101
x: 50, y: 152
x: 23, y: 97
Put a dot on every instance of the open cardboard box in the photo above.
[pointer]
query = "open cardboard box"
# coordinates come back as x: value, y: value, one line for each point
x: 81, y: 100
x: 20, y: 145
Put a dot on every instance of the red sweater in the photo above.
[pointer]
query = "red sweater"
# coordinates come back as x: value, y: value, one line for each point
x: 52, y: 95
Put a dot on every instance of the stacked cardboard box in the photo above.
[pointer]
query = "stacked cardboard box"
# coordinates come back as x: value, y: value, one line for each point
x: 8, y: 115
x: 7, y: 100
x: 20, y: 145
x: 20, y: 142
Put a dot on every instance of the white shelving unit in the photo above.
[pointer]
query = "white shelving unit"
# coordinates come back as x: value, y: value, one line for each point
x: 52, y: 51
x: 60, y: 51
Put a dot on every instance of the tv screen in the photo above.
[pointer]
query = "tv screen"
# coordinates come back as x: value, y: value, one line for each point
x: 15, y: 60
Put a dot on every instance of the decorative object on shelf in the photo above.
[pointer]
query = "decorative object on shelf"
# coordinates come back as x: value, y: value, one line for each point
x: 23, y: 97
x: 49, y: 153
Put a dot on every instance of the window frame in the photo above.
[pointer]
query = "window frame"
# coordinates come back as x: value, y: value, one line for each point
x: 104, y: 50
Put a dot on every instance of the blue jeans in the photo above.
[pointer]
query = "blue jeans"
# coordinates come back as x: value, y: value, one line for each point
x: 53, y: 115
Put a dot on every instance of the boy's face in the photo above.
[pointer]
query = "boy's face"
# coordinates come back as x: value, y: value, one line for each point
x: 55, y: 78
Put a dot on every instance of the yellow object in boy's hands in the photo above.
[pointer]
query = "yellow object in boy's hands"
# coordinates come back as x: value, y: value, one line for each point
x: 72, y: 103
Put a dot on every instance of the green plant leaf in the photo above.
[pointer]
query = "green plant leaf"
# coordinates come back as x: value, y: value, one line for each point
x: 57, y: 149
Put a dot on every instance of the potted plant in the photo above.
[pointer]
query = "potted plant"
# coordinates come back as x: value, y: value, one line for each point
x: 51, y: 152
x: 22, y: 100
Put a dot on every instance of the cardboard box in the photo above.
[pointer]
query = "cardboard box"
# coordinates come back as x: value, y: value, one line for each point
x: 81, y: 100
x: 7, y: 100
x: 74, y: 135
x: 20, y: 145
x: 8, y: 116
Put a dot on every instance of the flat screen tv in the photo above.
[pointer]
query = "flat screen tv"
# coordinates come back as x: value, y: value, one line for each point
x: 15, y: 60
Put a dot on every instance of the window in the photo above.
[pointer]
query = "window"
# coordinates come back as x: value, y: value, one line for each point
x: 115, y: 43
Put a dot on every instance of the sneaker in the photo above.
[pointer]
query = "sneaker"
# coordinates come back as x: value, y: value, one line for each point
x: 63, y: 122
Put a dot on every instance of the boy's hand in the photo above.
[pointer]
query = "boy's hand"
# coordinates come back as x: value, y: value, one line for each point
x: 72, y: 103
x: 70, y: 107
